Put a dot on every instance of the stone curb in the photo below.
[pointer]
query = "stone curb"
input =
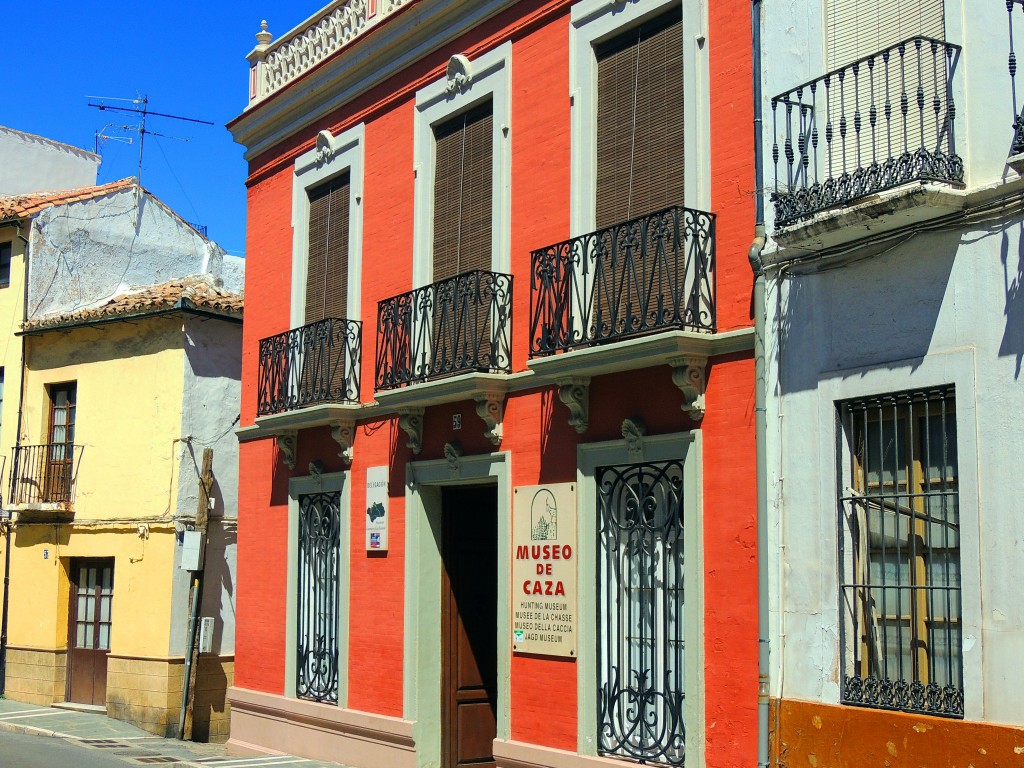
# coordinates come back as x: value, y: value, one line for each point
x: 30, y: 730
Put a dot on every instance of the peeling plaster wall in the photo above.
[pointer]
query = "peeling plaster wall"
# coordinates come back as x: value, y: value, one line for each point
x: 87, y: 252
x: 942, y: 307
x: 34, y: 164
x: 210, y: 408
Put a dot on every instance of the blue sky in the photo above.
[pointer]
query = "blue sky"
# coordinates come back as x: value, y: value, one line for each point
x: 188, y: 57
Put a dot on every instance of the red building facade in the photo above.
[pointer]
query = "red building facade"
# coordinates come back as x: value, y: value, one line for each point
x: 497, y: 253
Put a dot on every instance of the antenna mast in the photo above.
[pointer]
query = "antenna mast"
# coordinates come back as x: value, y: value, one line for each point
x: 141, y: 108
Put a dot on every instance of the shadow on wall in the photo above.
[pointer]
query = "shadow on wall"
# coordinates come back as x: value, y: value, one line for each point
x: 871, y: 309
x: 1012, y: 343
x: 218, y: 583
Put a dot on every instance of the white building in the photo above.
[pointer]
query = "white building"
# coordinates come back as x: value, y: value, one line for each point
x: 31, y: 163
x: 895, y: 339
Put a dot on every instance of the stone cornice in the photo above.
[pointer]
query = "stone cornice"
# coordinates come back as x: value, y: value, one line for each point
x: 416, y: 31
x: 685, y: 351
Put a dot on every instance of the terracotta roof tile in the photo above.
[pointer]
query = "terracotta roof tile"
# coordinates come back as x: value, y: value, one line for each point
x: 22, y: 206
x: 195, y: 292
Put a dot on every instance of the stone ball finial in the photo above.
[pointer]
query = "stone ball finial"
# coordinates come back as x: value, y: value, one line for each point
x: 263, y: 36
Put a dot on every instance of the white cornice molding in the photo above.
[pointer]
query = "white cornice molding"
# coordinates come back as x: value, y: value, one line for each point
x: 419, y: 30
x: 673, y: 348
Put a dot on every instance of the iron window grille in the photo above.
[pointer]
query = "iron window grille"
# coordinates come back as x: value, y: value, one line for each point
x: 899, y: 553
x: 319, y: 555
x: 640, y: 600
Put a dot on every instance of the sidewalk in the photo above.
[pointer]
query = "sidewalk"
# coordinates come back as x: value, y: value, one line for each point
x: 133, y: 745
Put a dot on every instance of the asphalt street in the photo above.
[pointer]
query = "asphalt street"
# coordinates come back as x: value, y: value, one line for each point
x: 21, y: 750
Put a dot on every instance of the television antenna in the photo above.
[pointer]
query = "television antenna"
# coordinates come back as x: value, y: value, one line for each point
x: 139, y: 107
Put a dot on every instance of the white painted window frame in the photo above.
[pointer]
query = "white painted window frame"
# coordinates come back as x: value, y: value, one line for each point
x: 436, y: 103
x: 421, y: 686
x: 595, y: 21
x: 298, y: 486
x: 956, y: 368
x: 343, y: 152
x: 688, y: 447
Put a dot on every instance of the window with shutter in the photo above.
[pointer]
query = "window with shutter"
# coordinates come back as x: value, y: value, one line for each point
x: 857, y: 28
x: 640, y: 120
x: 463, y: 193
x: 639, y: 170
x: 327, y: 265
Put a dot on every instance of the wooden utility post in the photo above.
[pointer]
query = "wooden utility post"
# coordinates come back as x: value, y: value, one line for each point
x: 196, y: 597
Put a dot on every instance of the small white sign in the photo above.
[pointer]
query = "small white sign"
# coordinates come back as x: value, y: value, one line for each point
x: 377, y: 509
x: 544, y: 616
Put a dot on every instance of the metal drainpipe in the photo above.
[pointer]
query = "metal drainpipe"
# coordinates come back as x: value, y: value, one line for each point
x: 760, y: 397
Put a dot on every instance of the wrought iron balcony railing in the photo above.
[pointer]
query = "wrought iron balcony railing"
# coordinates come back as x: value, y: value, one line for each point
x: 457, y: 325
x: 652, y: 273
x: 44, y: 474
x: 884, y: 120
x: 317, y: 363
x: 1017, y: 145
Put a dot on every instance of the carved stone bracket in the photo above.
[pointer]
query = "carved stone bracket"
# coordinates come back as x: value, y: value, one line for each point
x: 344, y: 434
x: 287, y: 447
x: 324, y: 146
x: 689, y: 374
x: 574, y: 391
x: 491, y: 408
x: 411, y: 422
x: 633, y: 431
x: 459, y: 74
x: 452, y: 454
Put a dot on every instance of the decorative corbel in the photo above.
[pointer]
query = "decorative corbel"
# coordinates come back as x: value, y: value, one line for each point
x: 344, y: 434
x: 689, y: 374
x: 287, y: 447
x: 574, y: 391
x: 411, y: 422
x: 324, y: 146
x: 491, y: 408
x: 633, y: 431
x: 452, y: 454
x: 459, y: 73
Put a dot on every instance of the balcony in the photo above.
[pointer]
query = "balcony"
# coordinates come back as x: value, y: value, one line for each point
x: 458, y: 325
x: 45, y: 475
x: 316, y: 364
x: 649, y: 274
x: 883, y: 121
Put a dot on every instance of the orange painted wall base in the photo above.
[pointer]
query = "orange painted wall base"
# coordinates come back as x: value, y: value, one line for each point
x: 813, y: 735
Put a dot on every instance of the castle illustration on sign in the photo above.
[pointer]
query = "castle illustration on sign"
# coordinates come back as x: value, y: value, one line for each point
x: 544, y: 516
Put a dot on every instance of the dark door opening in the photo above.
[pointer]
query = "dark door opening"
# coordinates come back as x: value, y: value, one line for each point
x: 469, y: 620
x: 89, y: 626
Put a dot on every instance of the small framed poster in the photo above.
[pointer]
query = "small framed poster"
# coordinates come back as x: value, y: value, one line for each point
x: 377, y: 509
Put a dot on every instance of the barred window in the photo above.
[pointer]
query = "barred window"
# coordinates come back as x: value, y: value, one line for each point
x: 640, y: 640
x: 899, y: 553
x: 318, y: 616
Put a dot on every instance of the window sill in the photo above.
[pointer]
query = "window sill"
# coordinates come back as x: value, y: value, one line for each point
x: 878, y: 214
x: 641, y: 352
x: 57, y: 512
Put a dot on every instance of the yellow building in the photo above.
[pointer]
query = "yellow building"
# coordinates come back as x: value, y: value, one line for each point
x: 131, y: 371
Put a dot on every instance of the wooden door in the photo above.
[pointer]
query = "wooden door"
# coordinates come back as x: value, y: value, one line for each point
x: 92, y: 595
x: 469, y: 617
